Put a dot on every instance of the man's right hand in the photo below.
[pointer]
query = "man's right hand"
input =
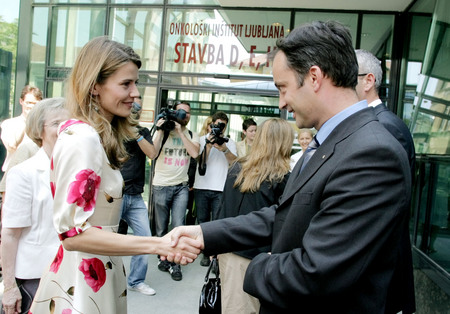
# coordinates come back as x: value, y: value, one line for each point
x: 193, y: 232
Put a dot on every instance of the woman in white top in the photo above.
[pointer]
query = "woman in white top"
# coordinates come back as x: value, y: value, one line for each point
x: 29, y: 240
x: 304, y: 137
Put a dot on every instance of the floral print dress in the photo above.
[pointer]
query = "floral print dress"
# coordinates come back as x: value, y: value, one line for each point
x: 87, y: 194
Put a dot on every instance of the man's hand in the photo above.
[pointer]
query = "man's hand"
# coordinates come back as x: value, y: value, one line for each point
x: 182, y: 236
x: 159, y: 123
x: 178, y: 127
x: 222, y: 147
x: 185, y: 251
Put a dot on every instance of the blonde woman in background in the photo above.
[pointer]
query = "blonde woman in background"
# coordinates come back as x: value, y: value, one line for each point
x: 254, y: 181
x: 206, y: 127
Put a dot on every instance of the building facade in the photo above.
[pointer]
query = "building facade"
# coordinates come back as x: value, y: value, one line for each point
x: 213, y: 54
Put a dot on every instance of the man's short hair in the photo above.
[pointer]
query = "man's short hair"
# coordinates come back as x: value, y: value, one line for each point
x: 247, y: 123
x: 181, y: 102
x: 220, y: 115
x: 368, y: 63
x: 327, y: 45
x: 28, y: 89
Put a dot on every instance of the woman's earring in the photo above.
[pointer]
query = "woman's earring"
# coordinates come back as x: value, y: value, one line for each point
x: 93, y: 106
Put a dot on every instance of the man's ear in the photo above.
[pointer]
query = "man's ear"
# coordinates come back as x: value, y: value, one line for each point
x: 316, y: 77
x: 369, y: 82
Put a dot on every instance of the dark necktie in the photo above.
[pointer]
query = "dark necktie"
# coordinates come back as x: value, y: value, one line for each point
x: 309, y: 152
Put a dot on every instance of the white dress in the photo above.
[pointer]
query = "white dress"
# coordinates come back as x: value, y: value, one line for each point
x: 87, y: 194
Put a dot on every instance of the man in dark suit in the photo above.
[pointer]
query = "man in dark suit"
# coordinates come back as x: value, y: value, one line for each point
x: 336, y: 232
x: 370, y: 77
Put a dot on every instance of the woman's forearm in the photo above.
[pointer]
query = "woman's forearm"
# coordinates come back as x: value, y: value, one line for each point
x: 10, y: 242
x: 97, y: 241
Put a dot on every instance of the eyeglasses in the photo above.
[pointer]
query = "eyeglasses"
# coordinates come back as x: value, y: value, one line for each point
x: 53, y: 124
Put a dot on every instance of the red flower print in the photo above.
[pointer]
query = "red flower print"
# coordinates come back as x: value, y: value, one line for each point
x: 94, y: 272
x: 68, y: 123
x: 84, y: 190
x: 70, y: 233
x: 57, y: 261
x: 53, y: 188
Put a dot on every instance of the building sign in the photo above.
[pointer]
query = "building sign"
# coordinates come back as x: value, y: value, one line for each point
x: 223, y: 41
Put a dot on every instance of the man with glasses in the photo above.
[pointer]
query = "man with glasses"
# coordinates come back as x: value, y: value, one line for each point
x: 170, y: 182
x: 13, y: 130
x: 369, y: 81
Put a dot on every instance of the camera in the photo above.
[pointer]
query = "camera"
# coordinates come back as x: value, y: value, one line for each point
x: 216, y: 132
x: 170, y: 116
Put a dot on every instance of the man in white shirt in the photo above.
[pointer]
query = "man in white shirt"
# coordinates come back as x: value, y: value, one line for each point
x: 13, y: 130
x: 216, y: 153
x: 170, y: 182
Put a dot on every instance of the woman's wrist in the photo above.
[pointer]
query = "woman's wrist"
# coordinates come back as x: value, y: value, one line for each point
x: 6, y: 289
x: 226, y: 151
x: 140, y: 138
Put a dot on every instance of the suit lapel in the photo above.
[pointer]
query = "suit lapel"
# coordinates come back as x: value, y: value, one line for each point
x: 297, y: 180
x: 324, y: 152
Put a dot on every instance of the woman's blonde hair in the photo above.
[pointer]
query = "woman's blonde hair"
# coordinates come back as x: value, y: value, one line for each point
x: 269, y: 156
x: 97, y: 61
x: 205, y: 126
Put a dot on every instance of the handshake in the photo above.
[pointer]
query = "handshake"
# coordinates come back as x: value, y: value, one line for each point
x: 183, y: 244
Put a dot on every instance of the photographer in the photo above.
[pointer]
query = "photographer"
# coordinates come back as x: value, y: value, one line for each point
x: 217, y: 152
x: 134, y: 211
x: 176, y: 145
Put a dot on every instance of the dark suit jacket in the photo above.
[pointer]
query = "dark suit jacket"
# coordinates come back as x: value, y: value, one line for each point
x: 399, y: 130
x: 336, y: 233
x: 235, y: 203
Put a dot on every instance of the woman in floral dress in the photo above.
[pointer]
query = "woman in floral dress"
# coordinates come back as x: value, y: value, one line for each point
x: 87, y: 274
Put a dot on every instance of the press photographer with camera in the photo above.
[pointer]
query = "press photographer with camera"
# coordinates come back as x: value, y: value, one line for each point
x: 216, y: 154
x: 175, y: 144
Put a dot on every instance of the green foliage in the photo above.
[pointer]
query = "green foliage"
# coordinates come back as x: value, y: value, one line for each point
x: 8, y: 42
x: 244, y: 117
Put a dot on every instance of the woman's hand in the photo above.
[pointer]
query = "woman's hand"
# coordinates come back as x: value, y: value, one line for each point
x: 12, y: 300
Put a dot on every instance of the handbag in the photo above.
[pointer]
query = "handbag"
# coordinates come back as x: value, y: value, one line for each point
x: 210, y: 301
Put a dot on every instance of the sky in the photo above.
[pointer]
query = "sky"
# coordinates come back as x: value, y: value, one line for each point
x: 9, y: 10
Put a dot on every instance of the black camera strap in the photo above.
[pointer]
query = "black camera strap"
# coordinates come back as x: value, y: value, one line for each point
x: 202, y: 162
x: 166, y: 136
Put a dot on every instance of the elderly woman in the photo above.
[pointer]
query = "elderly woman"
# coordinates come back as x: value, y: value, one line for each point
x: 29, y: 240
